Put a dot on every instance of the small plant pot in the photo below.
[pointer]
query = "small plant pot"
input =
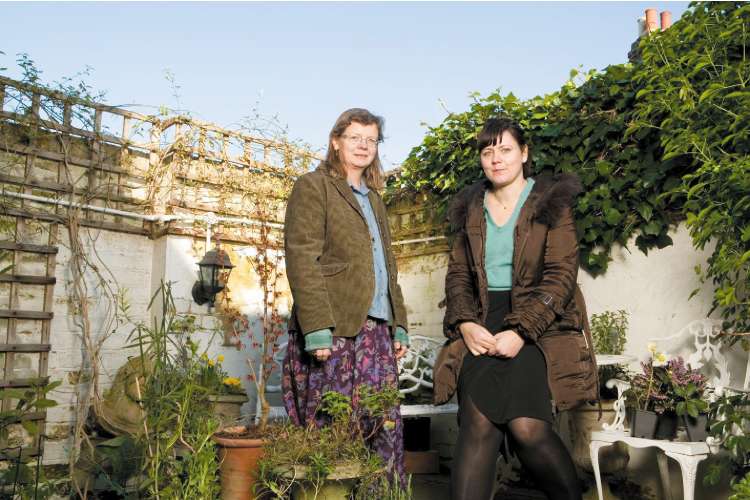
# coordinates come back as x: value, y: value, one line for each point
x: 338, y: 485
x: 642, y: 423
x: 227, y: 407
x: 238, y: 458
x: 697, y: 428
x: 666, y: 426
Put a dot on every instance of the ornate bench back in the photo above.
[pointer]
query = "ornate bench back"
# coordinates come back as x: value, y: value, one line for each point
x: 698, y: 343
x: 415, y: 368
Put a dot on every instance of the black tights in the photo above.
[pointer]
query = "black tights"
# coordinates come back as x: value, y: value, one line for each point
x: 538, y: 446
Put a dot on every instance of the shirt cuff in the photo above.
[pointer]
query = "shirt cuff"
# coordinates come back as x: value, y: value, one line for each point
x: 319, y: 339
x: 401, y: 336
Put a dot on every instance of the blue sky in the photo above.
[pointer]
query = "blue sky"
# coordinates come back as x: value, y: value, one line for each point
x: 307, y: 62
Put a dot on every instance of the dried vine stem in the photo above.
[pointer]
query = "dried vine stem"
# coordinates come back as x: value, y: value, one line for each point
x: 81, y: 266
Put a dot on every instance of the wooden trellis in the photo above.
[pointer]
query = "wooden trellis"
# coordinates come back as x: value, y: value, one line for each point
x: 28, y: 281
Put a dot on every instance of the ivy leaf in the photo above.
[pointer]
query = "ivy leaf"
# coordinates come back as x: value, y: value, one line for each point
x: 604, y: 168
x: 652, y: 228
x: 612, y: 216
x: 646, y: 211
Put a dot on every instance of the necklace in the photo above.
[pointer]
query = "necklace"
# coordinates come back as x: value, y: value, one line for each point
x: 502, y: 203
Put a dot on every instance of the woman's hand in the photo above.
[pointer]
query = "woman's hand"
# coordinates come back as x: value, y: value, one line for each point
x: 322, y: 354
x: 478, y: 339
x: 506, y: 344
x: 399, y: 349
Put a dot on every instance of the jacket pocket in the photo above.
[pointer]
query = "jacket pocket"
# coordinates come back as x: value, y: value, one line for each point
x: 568, y: 355
x: 333, y: 268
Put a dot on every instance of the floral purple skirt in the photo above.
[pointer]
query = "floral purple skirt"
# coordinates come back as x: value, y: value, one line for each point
x: 365, y: 359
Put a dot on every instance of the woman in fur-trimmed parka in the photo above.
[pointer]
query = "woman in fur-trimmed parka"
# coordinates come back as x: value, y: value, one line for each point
x: 513, y: 303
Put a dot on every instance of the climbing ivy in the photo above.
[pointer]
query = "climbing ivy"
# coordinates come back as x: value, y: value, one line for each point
x: 654, y: 141
x: 696, y: 94
x: 580, y: 128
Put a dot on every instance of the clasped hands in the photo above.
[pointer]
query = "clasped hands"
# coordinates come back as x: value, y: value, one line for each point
x: 479, y: 340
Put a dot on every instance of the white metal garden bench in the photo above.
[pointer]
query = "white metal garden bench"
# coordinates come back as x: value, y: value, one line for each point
x: 415, y: 373
x: 700, y: 346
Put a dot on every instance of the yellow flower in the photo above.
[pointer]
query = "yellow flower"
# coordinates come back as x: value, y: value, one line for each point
x: 660, y: 359
x: 232, y: 381
x: 211, y: 362
x: 204, y: 356
x: 652, y: 348
x: 220, y: 358
x: 389, y: 425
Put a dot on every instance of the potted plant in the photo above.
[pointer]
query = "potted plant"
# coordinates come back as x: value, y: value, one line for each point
x: 177, y: 423
x: 241, y: 447
x: 649, y: 397
x: 609, y: 331
x: 226, y: 393
x: 688, y: 387
x: 329, y: 461
x: 609, y: 335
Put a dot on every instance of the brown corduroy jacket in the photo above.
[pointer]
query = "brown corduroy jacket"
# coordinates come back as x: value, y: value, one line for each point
x: 329, y: 256
x: 547, y: 305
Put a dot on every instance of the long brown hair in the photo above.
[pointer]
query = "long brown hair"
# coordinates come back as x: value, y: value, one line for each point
x: 373, y: 174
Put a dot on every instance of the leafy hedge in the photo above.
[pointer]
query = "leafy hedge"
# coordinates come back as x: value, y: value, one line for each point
x: 654, y: 141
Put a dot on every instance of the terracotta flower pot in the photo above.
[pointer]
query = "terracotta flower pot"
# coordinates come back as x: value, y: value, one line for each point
x: 239, y: 466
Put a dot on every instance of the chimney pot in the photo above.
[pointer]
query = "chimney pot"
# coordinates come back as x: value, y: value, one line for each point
x: 651, y: 20
x: 666, y: 20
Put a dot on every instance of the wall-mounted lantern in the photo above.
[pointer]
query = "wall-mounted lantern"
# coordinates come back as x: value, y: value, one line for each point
x: 209, y: 283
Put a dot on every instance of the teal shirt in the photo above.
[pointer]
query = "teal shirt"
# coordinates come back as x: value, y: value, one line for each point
x: 498, y: 254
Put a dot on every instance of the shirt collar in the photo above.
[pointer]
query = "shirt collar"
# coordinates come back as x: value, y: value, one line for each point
x: 362, y: 189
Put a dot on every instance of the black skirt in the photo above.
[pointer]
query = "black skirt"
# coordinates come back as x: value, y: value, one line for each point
x: 504, y: 389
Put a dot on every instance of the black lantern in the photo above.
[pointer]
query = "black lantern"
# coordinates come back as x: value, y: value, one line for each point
x: 209, y: 279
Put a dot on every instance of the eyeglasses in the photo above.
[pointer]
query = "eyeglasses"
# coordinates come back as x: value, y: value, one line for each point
x: 358, y: 139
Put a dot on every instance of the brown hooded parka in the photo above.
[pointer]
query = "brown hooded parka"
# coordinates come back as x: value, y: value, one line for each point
x: 547, y: 305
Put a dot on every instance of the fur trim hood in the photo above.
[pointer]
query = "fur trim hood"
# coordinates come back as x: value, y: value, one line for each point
x: 550, y: 195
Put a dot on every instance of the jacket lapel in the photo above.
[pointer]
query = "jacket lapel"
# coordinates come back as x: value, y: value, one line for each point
x: 345, y: 190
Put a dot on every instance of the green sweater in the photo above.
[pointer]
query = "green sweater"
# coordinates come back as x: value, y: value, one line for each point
x: 498, y: 255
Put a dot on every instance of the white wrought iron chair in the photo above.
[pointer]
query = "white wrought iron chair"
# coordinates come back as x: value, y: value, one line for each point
x: 415, y: 372
x: 700, y: 346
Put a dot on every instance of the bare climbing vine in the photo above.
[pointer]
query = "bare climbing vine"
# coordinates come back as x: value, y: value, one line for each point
x: 184, y: 168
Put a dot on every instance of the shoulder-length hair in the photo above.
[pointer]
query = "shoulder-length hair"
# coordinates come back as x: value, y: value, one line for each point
x: 373, y: 175
x: 492, y: 133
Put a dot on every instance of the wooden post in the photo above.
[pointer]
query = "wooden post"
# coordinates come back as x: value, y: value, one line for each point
x: 67, y: 113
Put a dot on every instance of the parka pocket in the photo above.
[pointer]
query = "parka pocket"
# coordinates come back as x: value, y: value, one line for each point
x: 567, y: 354
x: 333, y: 268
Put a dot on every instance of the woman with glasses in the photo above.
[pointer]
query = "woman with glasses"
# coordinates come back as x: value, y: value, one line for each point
x: 513, y: 303
x: 348, y: 324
